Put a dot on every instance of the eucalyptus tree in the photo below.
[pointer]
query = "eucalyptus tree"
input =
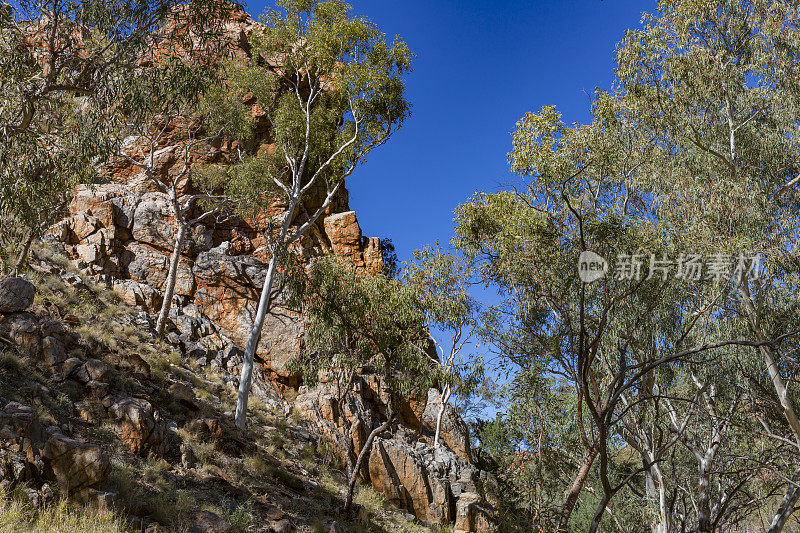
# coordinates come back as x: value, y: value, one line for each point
x: 62, y: 68
x: 607, y: 338
x: 440, y: 283
x: 717, y: 82
x: 162, y: 106
x: 331, y: 87
x: 535, y: 449
x: 360, y: 322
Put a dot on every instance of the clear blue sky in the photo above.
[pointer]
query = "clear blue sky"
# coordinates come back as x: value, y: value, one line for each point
x: 480, y: 66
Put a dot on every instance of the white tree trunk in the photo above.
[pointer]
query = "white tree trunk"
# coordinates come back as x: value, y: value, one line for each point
x: 169, y: 289
x: 786, y: 508
x: 444, y: 398
x: 772, y: 368
x: 252, y: 343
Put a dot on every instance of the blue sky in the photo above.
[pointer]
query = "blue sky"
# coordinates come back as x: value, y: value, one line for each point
x: 480, y: 66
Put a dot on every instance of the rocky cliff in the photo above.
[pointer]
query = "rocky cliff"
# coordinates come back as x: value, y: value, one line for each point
x: 120, y: 233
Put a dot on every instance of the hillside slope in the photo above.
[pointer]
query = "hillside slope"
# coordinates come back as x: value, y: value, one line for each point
x: 93, y: 408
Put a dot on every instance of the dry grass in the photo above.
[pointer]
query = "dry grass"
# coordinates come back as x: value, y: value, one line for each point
x: 16, y: 517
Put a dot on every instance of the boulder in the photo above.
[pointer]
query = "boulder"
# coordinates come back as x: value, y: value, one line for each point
x: 76, y: 466
x: 16, y: 294
x: 142, y: 428
x: 53, y: 352
x: 23, y: 329
x: 97, y: 370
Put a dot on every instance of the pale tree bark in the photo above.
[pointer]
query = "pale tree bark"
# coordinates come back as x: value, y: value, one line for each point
x: 278, y: 249
x: 447, y: 364
x: 445, y: 397
x: 792, y: 494
x: 294, y: 194
x: 246, y: 378
x: 351, y: 485
x: 786, y: 507
x: 182, y: 205
x: 169, y: 289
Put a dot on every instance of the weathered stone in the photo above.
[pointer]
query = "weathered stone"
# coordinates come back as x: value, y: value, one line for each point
x: 152, y: 221
x: 208, y: 522
x: 89, y: 253
x: 401, y: 477
x: 344, y: 233
x: 23, y: 329
x: 53, y: 352
x: 142, y: 428
x: 97, y: 369
x: 16, y: 294
x: 73, y: 367
x: 473, y: 515
x: 138, y: 294
x: 75, y: 465
x: 454, y: 431
x: 148, y: 265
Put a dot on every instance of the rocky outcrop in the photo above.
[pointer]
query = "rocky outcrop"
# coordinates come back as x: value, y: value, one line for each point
x: 454, y: 432
x: 215, y: 302
x: 433, y: 483
x: 122, y: 232
x: 40, y: 456
x: 430, y: 483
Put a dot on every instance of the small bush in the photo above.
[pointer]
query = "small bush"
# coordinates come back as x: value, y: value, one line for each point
x: 11, y: 363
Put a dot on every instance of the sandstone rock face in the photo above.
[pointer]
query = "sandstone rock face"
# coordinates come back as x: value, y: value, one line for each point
x: 434, y: 485
x: 344, y: 234
x: 428, y: 482
x: 16, y: 294
x: 454, y: 431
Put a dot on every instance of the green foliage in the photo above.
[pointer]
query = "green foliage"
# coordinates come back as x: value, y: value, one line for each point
x: 360, y: 320
x: 64, y: 69
x: 694, y: 152
x: 331, y: 86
